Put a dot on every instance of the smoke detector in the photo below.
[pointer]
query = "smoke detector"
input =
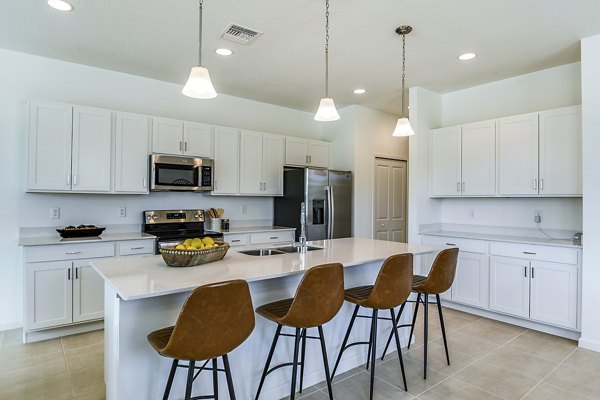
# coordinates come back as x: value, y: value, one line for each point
x: 239, y: 34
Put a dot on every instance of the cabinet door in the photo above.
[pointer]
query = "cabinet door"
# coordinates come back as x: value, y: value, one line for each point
x: 296, y: 151
x: 49, y: 147
x: 132, y: 142
x: 167, y: 136
x: 445, y: 162
x: 88, y: 292
x: 227, y: 161
x: 518, y: 155
x: 479, y: 159
x: 273, y: 153
x: 471, y: 283
x: 48, y: 294
x: 251, y: 162
x: 318, y: 154
x: 560, y: 152
x: 92, y: 134
x: 509, y: 285
x: 197, y: 140
x: 554, y: 293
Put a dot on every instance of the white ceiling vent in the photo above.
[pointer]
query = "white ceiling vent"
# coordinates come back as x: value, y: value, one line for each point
x: 239, y: 34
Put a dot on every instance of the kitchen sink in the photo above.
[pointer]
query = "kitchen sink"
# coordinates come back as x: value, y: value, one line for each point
x: 278, y: 250
x: 296, y: 249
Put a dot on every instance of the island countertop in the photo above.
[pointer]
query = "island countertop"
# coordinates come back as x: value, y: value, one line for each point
x: 138, y: 277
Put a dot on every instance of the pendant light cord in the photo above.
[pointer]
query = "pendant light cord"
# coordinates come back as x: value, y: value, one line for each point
x: 200, y: 33
x: 403, y: 70
x: 326, y: 48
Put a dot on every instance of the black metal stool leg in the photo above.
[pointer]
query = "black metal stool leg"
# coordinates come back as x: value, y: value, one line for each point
x: 425, y: 332
x: 398, y: 346
x: 369, y: 351
x: 269, y: 358
x: 215, y: 379
x: 337, y: 362
x: 190, y: 380
x: 228, y: 376
x: 170, y: 380
x: 302, y: 357
x: 295, y: 364
x: 396, y: 322
x: 437, y: 297
x: 325, y: 362
x: 373, y: 351
x: 412, y: 328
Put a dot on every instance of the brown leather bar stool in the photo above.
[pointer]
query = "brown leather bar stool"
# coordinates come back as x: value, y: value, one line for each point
x: 438, y: 281
x: 391, y: 289
x: 318, y: 299
x: 214, y: 320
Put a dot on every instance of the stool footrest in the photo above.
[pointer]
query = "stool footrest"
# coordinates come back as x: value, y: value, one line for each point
x: 370, y: 317
x: 289, y: 364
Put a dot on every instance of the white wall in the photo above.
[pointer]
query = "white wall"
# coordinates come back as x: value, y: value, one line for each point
x: 590, y: 65
x: 25, y: 76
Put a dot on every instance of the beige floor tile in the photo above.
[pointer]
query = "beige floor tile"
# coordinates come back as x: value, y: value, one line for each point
x: 434, y: 332
x: 436, y: 358
x: 490, y: 332
x: 305, y: 392
x: 357, y: 388
x: 576, y: 381
x: 546, y: 346
x: 501, y: 325
x: 468, y: 344
x: 520, y: 362
x: 455, y: 389
x: 453, y: 312
x: 16, y: 351
x: 499, y: 381
x: 546, y: 391
x: 340, y: 377
x: 100, y: 395
x: 390, y: 372
x: 585, y: 360
x: 83, y: 339
x: 22, y: 370
x: 86, y: 368
x: 47, y: 388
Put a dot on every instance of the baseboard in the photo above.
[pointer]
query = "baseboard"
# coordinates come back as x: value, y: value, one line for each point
x: 53, y: 333
x: 7, y: 326
x: 589, y: 344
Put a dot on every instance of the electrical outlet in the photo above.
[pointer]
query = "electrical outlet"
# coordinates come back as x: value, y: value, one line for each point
x: 538, y: 216
x: 471, y: 213
x: 122, y: 212
x: 54, y: 212
x: 244, y: 209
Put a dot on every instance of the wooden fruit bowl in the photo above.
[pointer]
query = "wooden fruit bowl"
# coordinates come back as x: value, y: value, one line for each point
x: 190, y: 258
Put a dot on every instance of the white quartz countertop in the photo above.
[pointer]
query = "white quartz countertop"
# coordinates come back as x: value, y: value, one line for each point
x: 105, y: 237
x: 253, y: 229
x: 505, y: 238
x: 137, y: 277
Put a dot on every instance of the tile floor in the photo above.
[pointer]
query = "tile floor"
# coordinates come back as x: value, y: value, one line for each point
x: 490, y: 361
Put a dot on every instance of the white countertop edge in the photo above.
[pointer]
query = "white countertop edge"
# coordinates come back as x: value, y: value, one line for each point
x: 256, y: 229
x: 105, y: 237
x: 505, y: 238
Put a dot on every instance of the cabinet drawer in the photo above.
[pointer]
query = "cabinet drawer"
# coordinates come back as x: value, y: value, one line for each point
x: 272, y: 237
x: 535, y: 252
x: 469, y: 245
x: 130, y: 247
x: 69, y: 251
x: 237, y: 239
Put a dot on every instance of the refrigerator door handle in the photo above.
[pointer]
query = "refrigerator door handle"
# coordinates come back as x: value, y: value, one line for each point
x: 331, y: 211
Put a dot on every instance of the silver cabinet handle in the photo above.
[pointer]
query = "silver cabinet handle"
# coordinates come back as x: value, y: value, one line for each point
x: 306, y: 158
x: 75, y: 180
x: 69, y: 179
x: 185, y: 146
x: 535, y: 184
x: 310, y: 159
x: 274, y: 237
x: 77, y: 273
x: 180, y: 146
x: 69, y: 274
x: 532, y: 273
x: 235, y: 240
x: 541, y: 184
x: 72, y: 252
x: 450, y: 244
x: 529, y: 252
x: 525, y: 268
x: 463, y: 186
x: 137, y: 248
x: 458, y: 186
x: 144, y: 182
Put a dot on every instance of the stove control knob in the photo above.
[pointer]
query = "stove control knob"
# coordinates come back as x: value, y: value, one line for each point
x: 154, y: 217
x: 196, y: 216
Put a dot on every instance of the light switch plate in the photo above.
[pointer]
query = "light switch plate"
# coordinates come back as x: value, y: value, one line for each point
x: 54, y: 212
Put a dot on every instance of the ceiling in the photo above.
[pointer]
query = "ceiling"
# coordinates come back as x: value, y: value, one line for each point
x: 285, y: 65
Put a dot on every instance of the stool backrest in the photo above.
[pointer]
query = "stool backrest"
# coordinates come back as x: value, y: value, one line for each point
x: 393, y: 284
x: 442, y: 272
x: 214, y: 320
x: 318, y: 298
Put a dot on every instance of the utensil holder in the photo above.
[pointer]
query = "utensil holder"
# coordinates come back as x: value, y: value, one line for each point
x: 215, y: 224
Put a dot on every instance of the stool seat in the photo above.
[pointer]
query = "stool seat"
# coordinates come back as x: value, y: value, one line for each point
x: 358, y: 295
x: 159, y: 339
x: 276, y: 310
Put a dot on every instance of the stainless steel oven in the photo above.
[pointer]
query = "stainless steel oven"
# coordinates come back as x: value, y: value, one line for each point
x: 186, y: 174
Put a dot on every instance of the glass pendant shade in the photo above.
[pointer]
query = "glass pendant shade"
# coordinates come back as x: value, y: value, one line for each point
x: 327, y: 111
x: 403, y: 128
x: 199, y: 85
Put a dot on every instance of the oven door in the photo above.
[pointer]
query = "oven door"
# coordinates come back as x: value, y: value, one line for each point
x: 172, y: 173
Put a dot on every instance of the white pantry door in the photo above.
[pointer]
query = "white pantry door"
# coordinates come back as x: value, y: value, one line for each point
x: 390, y: 200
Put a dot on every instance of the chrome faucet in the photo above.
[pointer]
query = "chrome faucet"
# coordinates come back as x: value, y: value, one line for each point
x: 302, y: 237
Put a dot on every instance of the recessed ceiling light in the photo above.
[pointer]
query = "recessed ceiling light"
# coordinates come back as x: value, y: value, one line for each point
x: 224, y: 52
x: 467, y: 56
x: 359, y: 91
x: 60, y: 5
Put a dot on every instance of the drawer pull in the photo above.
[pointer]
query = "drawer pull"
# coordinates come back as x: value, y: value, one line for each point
x: 274, y: 237
x: 450, y: 244
x: 525, y: 268
x: 77, y: 273
x: 529, y: 252
x: 137, y: 248
x: 532, y: 273
x: 69, y: 274
x: 73, y: 252
x: 235, y: 240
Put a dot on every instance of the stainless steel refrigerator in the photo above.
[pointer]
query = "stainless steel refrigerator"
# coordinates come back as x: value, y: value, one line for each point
x: 328, y: 198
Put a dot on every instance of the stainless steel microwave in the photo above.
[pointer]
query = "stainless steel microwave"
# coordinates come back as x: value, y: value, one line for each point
x: 176, y: 173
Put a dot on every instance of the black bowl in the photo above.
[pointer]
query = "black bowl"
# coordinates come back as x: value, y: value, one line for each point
x: 80, y: 232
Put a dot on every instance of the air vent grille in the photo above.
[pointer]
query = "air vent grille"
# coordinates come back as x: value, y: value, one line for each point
x: 239, y: 34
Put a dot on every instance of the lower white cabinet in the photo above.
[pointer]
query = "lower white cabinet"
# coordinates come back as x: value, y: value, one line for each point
x: 509, y: 286
x: 48, y: 294
x: 278, y: 236
x: 471, y: 281
x: 88, y: 292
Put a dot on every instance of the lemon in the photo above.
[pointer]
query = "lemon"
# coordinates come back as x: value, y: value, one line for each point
x: 208, y: 240
x: 190, y: 248
x: 215, y: 245
x: 196, y: 242
x: 180, y: 247
x: 187, y: 242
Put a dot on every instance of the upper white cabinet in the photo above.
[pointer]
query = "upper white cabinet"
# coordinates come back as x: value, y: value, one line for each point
x: 306, y: 152
x: 176, y: 137
x: 261, y: 163
x: 132, y: 146
x: 463, y: 161
x: 69, y: 148
x: 227, y: 161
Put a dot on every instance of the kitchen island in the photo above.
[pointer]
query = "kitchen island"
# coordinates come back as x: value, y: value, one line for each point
x: 142, y: 294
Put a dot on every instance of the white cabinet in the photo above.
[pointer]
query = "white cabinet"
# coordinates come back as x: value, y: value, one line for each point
x: 69, y: 148
x: 278, y: 236
x: 509, y: 285
x: 261, y: 163
x: 48, y: 294
x: 306, y: 152
x: 471, y: 281
x: 176, y: 137
x: 132, y: 142
x: 227, y: 161
x: 88, y: 292
x: 463, y: 161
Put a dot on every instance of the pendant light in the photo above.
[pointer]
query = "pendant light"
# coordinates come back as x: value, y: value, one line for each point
x: 327, y: 111
x: 403, y: 127
x: 198, y: 84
